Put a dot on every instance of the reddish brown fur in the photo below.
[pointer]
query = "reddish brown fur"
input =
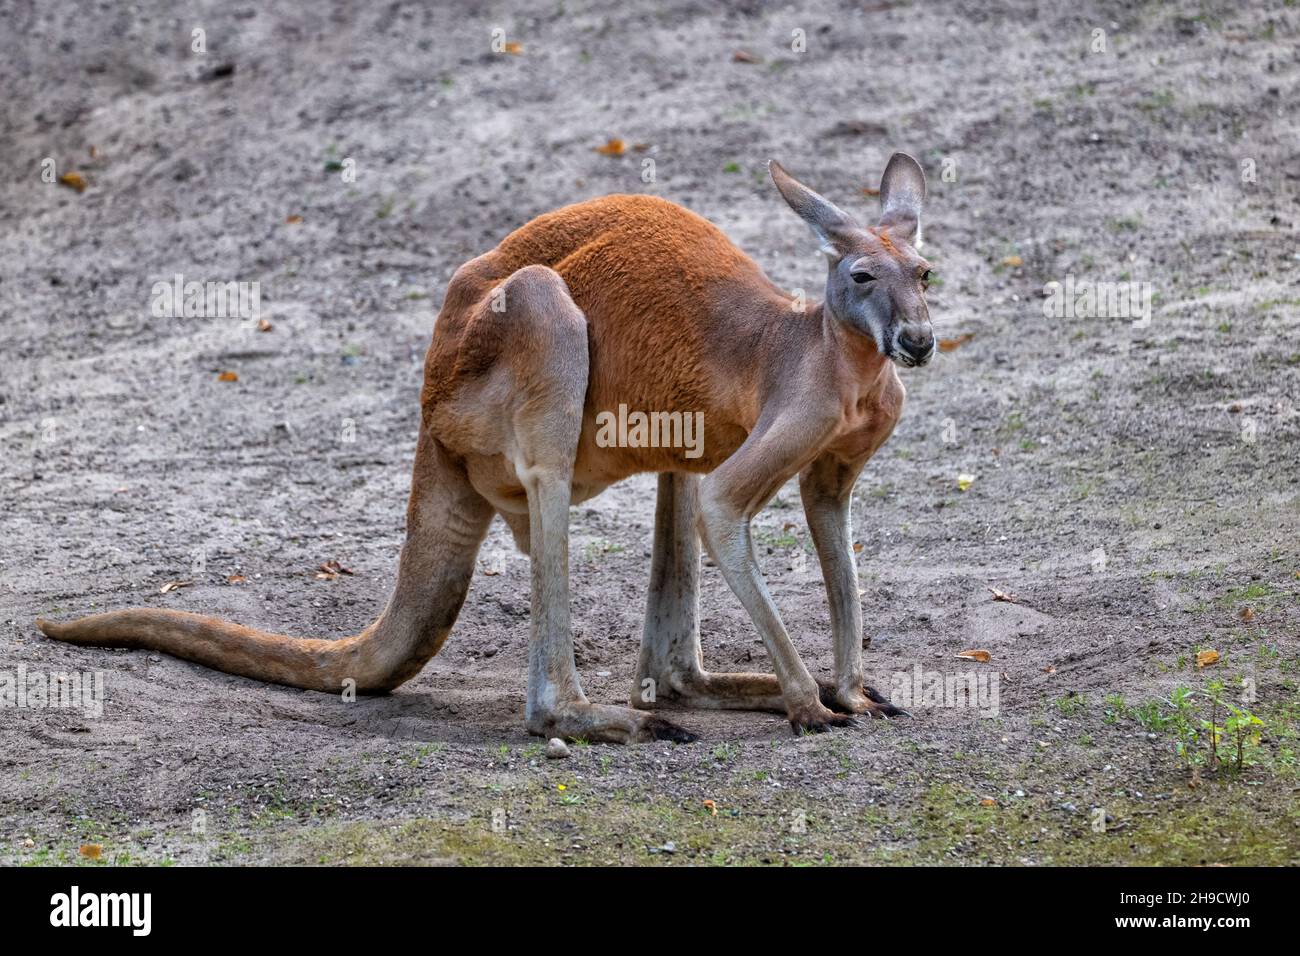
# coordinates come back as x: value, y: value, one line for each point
x: 653, y: 280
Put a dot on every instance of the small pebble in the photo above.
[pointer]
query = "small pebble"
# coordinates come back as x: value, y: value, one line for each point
x: 556, y: 749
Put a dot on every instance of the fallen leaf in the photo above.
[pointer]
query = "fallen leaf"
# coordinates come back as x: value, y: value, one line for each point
x: 857, y: 547
x: 868, y: 191
x: 1049, y: 669
x: 1013, y: 261
x: 948, y: 345
x: 1002, y: 595
x: 785, y: 528
x: 227, y: 377
x: 264, y: 326
x: 988, y: 802
x: 615, y: 147
x: 982, y: 656
x: 965, y: 481
x: 1206, y: 658
x: 331, y: 570
x: 74, y: 181
x: 514, y: 47
x: 293, y: 220
x: 744, y: 56
x: 91, y: 851
x: 236, y: 579
x: 173, y: 586
x: 711, y: 807
x: 1247, y: 614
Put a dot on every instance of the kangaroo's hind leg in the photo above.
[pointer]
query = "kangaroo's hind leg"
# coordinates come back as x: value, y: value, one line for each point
x: 546, y: 422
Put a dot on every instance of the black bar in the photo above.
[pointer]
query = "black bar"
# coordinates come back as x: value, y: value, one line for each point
x: 329, y: 906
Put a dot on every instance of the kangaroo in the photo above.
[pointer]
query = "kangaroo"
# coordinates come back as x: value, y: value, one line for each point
x: 629, y: 300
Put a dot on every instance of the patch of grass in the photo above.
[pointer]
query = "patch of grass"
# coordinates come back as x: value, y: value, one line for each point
x: 593, y: 550
x: 1124, y: 223
x: 1072, y: 704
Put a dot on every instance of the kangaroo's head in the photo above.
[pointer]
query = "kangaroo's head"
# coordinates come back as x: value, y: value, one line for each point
x: 877, y: 279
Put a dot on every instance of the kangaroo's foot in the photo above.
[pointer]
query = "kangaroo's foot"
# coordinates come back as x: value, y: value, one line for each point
x: 708, y: 691
x: 602, y: 722
x: 867, y: 701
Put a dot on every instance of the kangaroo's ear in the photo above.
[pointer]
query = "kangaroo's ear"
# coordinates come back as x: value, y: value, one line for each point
x: 827, y: 221
x: 902, y: 194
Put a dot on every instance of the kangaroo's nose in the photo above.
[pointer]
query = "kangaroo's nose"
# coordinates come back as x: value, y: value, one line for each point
x: 917, y: 343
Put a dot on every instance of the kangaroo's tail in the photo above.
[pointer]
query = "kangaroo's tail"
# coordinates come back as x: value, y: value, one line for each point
x: 446, y: 523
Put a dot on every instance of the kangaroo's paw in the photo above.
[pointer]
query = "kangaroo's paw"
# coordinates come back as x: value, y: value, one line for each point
x: 868, y: 701
x: 816, y: 719
x: 602, y: 722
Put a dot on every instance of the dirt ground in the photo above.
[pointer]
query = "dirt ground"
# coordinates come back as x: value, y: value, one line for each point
x: 1132, y: 485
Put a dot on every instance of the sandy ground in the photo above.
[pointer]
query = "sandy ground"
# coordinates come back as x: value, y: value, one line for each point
x: 1133, y: 486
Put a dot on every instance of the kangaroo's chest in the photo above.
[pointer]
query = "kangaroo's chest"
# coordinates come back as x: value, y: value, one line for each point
x: 868, y: 419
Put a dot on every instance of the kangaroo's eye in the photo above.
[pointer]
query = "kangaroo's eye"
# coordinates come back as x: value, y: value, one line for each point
x: 861, y: 277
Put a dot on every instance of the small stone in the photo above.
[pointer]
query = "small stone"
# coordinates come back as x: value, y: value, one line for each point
x: 556, y: 749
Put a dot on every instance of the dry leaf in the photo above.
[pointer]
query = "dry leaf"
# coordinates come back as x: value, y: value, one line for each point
x: 868, y: 191
x: 988, y: 802
x: 264, y: 326
x: 615, y: 147
x: 1206, y: 658
x: 1049, y: 669
x: 236, y: 579
x: 744, y: 56
x: 711, y: 807
x: 74, y: 180
x: 227, y: 377
x: 1247, y: 614
x: 982, y: 656
x: 513, y: 47
x: 965, y: 481
x: 293, y: 220
x: 331, y: 570
x: 947, y: 345
x: 785, y: 528
x: 1002, y: 595
x: 91, y: 851
x: 857, y: 547
x: 173, y: 586
x: 1013, y: 261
